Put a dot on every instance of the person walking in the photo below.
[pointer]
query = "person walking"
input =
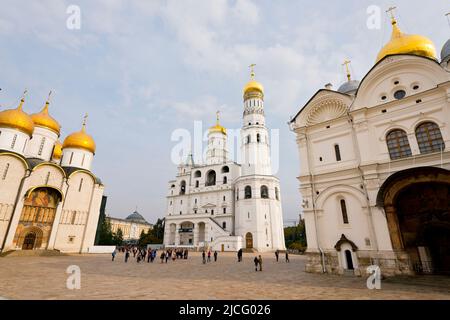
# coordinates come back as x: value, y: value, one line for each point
x: 240, y: 255
x: 256, y: 261
x: 215, y: 256
x: 277, y: 253
x: 113, y: 254
x: 287, y: 256
x: 260, y: 263
x: 209, y: 255
x: 174, y: 255
x: 204, y: 256
x: 127, y: 255
x: 167, y: 256
x: 162, y: 256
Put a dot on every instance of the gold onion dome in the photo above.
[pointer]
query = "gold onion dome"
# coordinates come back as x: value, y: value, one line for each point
x: 43, y: 119
x: 57, y: 150
x: 17, y: 119
x: 402, y: 43
x: 80, y: 140
x: 253, y: 85
x: 218, y: 127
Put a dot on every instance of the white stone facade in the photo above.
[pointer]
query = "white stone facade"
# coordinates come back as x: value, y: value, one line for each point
x: 224, y: 205
x: 346, y: 165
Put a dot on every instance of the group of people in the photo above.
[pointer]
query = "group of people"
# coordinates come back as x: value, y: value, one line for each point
x: 150, y: 254
x: 209, y: 256
x: 174, y: 254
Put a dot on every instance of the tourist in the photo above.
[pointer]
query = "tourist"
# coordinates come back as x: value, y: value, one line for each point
x: 127, y: 255
x: 113, y: 254
x: 256, y: 261
x: 174, y: 255
x: 162, y: 256
x: 149, y: 255
x: 209, y: 255
x: 167, y: 255
x: 277, y: 254
x: 287, y: 256
x: 215, y: 256
x: 239, y: 254
x: 260, y: 263
x: 204, y: 256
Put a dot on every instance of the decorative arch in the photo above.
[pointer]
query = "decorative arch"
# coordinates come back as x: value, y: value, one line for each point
x: 225, y: 169
x: 38, y: 235
x: 339, y: 189
x: 94, y: 178
x: 30, y: 191
x: 16, y: 156
x: 52, y: 165
x: 197, y: 174
x: 211, y: 178
x: 343, y: 240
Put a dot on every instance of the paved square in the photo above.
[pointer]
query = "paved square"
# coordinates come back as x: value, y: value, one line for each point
x: 45, y: 278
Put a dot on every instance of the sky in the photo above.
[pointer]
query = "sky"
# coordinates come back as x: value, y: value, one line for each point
x: 143, y: 69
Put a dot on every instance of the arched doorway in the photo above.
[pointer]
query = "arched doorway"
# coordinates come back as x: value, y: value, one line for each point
x: 29, y: 241
x: 249, y: 240
x: 417, y: 206
x: 349, y: 259
x: 38, y: 215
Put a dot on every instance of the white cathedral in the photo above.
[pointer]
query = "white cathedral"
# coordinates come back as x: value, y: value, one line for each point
x: 224, y: 205
x: 49, y: 198
x: 375, y: 164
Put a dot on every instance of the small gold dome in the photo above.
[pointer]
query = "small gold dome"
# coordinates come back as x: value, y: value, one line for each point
x: 43, y: 119
x: 57, y: 150
x: 80, y: 140
x: 218, y: 127
x: 401, y: 43
x: 252, y: 86
x: 17, y: 119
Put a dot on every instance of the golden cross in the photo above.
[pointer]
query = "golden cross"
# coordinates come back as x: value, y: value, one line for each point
x: 24, y: 93
x: 85, y: 119
x: 49, y: 94
x: 346, y: 63
x: 217, y: 117
x: 252, y: 70
x: 391, y: 12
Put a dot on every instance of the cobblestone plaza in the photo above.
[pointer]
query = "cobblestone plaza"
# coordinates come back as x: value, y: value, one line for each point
x: 45, y: 278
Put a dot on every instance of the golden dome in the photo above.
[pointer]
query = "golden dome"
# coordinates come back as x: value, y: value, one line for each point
x: 218, y: 127
x: 17, y: 119
x: 401, y: 43
x: 43, y: 119
x: 80, y: 140
x: 252, y: 86
x: 57, y: 150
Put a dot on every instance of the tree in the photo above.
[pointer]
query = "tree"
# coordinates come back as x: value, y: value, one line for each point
x: 118, y: 237
x: 295, y: 237
x: 105, y: 234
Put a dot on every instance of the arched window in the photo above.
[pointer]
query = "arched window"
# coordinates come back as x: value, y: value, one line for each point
x: 248, y: 139
x: 248, y: 192
x: 258, y: 138
x: 224, y: 225
x: 197, y: 174
x: 197, y: 183
x: 429, y: 138
x: 344, y: 211
x: 211, y: 178
x: 13, y: 143
x: 224, y: 210
x: 277, y: 196
x: 337, y: 152
x: 225, y: 180
x: 264, y: 192
x: 398, y: 144
x: 183, y: 187
x: 41, y: 147
x: 237, y: 193
x: 225, y: 169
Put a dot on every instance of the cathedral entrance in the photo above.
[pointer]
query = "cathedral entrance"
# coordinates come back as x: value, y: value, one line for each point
x: 417, y: 206
x: 249, y: 241
x: 36, y: 220
x: 28, y: 243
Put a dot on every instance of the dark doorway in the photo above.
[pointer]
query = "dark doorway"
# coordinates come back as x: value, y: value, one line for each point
x: 29, y: 241
x: 348, y: 258
x: 249, y: 240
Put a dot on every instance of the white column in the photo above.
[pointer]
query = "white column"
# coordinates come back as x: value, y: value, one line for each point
x: 196, y: 234
x: 177, y: 234
x: 52, y: 238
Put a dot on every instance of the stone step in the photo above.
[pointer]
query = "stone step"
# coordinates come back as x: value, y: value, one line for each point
x: 32, y: 253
